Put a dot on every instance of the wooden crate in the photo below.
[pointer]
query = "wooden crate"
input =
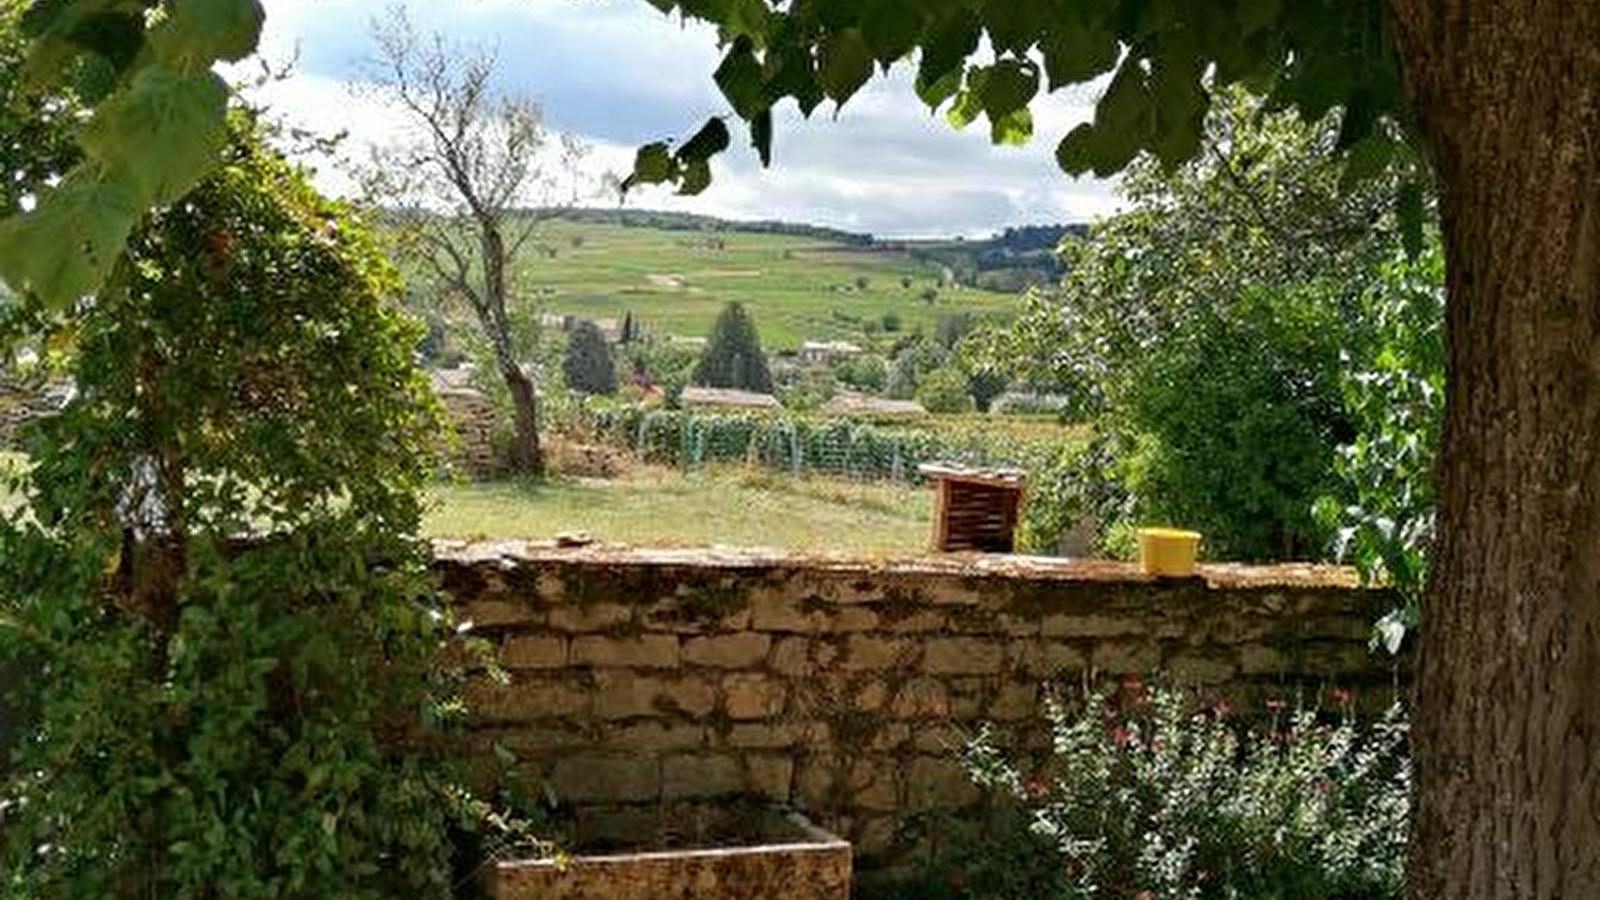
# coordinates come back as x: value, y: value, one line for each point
x: 975, y: 509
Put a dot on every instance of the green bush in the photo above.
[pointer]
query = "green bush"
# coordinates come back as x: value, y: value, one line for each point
x: 237, y: 688
x: 588, y: 365
x: 1147, y: 795
x: 945, y: 390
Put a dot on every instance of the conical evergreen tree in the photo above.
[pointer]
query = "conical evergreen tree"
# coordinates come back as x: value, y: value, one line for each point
x: 588, y: 365
x: 733, y: 357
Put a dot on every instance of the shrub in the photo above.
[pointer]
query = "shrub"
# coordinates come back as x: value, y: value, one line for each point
x: 588, y: 366
x: 945, y: 391
x: 1147, y: 796
x: 237, y: 690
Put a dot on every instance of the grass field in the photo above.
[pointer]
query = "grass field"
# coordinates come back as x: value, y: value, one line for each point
x: 674, y: 282
x: 664, y: 508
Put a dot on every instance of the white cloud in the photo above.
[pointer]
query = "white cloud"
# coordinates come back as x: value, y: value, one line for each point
x: 620, y: 74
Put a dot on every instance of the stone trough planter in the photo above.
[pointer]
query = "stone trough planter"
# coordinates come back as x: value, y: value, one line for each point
x: 781, y: 856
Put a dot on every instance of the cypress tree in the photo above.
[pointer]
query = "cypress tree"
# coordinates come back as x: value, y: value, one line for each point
x: 588, y: 366
x: 733, y: 357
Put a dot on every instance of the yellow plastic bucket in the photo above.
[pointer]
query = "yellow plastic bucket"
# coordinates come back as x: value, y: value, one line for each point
x: 1168, y: 552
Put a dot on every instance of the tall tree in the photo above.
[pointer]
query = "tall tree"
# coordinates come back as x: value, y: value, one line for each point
x: 733, y: 357
x: 470, y: 190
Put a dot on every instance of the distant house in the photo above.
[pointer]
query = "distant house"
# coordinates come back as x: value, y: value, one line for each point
x: 821, y: 353
x: 861, y: 405
x: 694, y: 397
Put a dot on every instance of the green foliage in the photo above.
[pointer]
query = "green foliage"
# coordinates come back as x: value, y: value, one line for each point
x: 38, y: 142
x: 733, y: 357
x: 238, y: 690
x: 1206, y: 328
x: 1165, y: 63
x: 1147, y: 796
x: 944, y: 390
x: 156, y: 128
x: 862, y: 372
x: 588, y: 367
x: 1383, y: 508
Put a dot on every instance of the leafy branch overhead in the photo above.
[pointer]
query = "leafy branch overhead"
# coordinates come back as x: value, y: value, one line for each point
x: 1164, y: 58
x: 156, y: 131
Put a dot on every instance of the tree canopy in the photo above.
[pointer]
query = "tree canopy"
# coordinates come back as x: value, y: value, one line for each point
x: 733, y: 357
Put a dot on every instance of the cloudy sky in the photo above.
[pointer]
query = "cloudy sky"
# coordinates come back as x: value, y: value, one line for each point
x: 620, y: 74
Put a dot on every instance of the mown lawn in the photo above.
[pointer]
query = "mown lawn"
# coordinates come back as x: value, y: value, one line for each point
x: 665, y: 508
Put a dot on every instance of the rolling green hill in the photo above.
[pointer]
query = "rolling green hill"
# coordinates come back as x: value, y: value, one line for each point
x: 800, y: 284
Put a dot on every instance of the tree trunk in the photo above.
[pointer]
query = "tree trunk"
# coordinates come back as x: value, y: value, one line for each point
x: 527, y: 457
x: 1506, y: 735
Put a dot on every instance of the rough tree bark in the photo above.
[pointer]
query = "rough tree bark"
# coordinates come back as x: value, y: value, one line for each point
x: 1507, y: 721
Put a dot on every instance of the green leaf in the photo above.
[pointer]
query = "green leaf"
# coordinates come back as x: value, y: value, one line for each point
x: 1124, y: 109
x: 652, y: 164
x: 1013, y: 129
x: 1257, y: 15
x: 696, y: 177
x: 1076, y: 152
x: 965, y: 110
x: 1011, y: 85
x: 197, y: 33
x: 939, y: 91
x: 761, y: 135
x: 1366, y: 160
x: 1074, y: 55
x: 739, y: 77
x: 711, y: 139
x: 946, y: 47
x: 891, y: 29
x: 845, y: 64
x: 1408, y: 207
x: 1013, y: 25
x: 166, y: 130
x: 63, y: 249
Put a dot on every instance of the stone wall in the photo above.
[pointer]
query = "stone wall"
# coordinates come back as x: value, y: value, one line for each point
x: 644, y: 681
x: 475, y: 420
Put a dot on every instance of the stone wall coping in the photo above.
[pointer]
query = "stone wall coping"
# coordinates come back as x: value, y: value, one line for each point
x: 1216, y: 576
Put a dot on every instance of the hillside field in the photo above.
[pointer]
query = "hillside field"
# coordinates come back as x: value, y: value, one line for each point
x: 675, y: 281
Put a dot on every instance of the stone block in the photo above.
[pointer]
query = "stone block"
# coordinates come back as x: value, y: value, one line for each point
x: 1048, y: 659
x: 606, y: 778
x: 851, y: 618
x: 871, y: 696
x: 748, y: 696
x: 1117, y: 658
x: 525, y: 701
x: 863, y: 653
x: 791, y: 656
x: 623, y: 695
x: 1015, y: 701
x: 963, y: 656
x: 777, y: 735
x: 921, y: 698
x: 499, y: 613
x: 523, y: 652
x: 872, y: 785
x: 656, y: 737
x: 890, y: 737
x: 874, y: 836
x: 1259, y: 659
x: 727, y: 651
x: 587, y: 618
x: 938, y: 782
x: 769, y: 775
x: 775, y: 612
x: 920, y: 622
x: 1098, y: 626
x: 1196, y: 669
x: 946, y: 738
x: 817, y: 780
x: 646, y: 651
x: 701, y: 776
